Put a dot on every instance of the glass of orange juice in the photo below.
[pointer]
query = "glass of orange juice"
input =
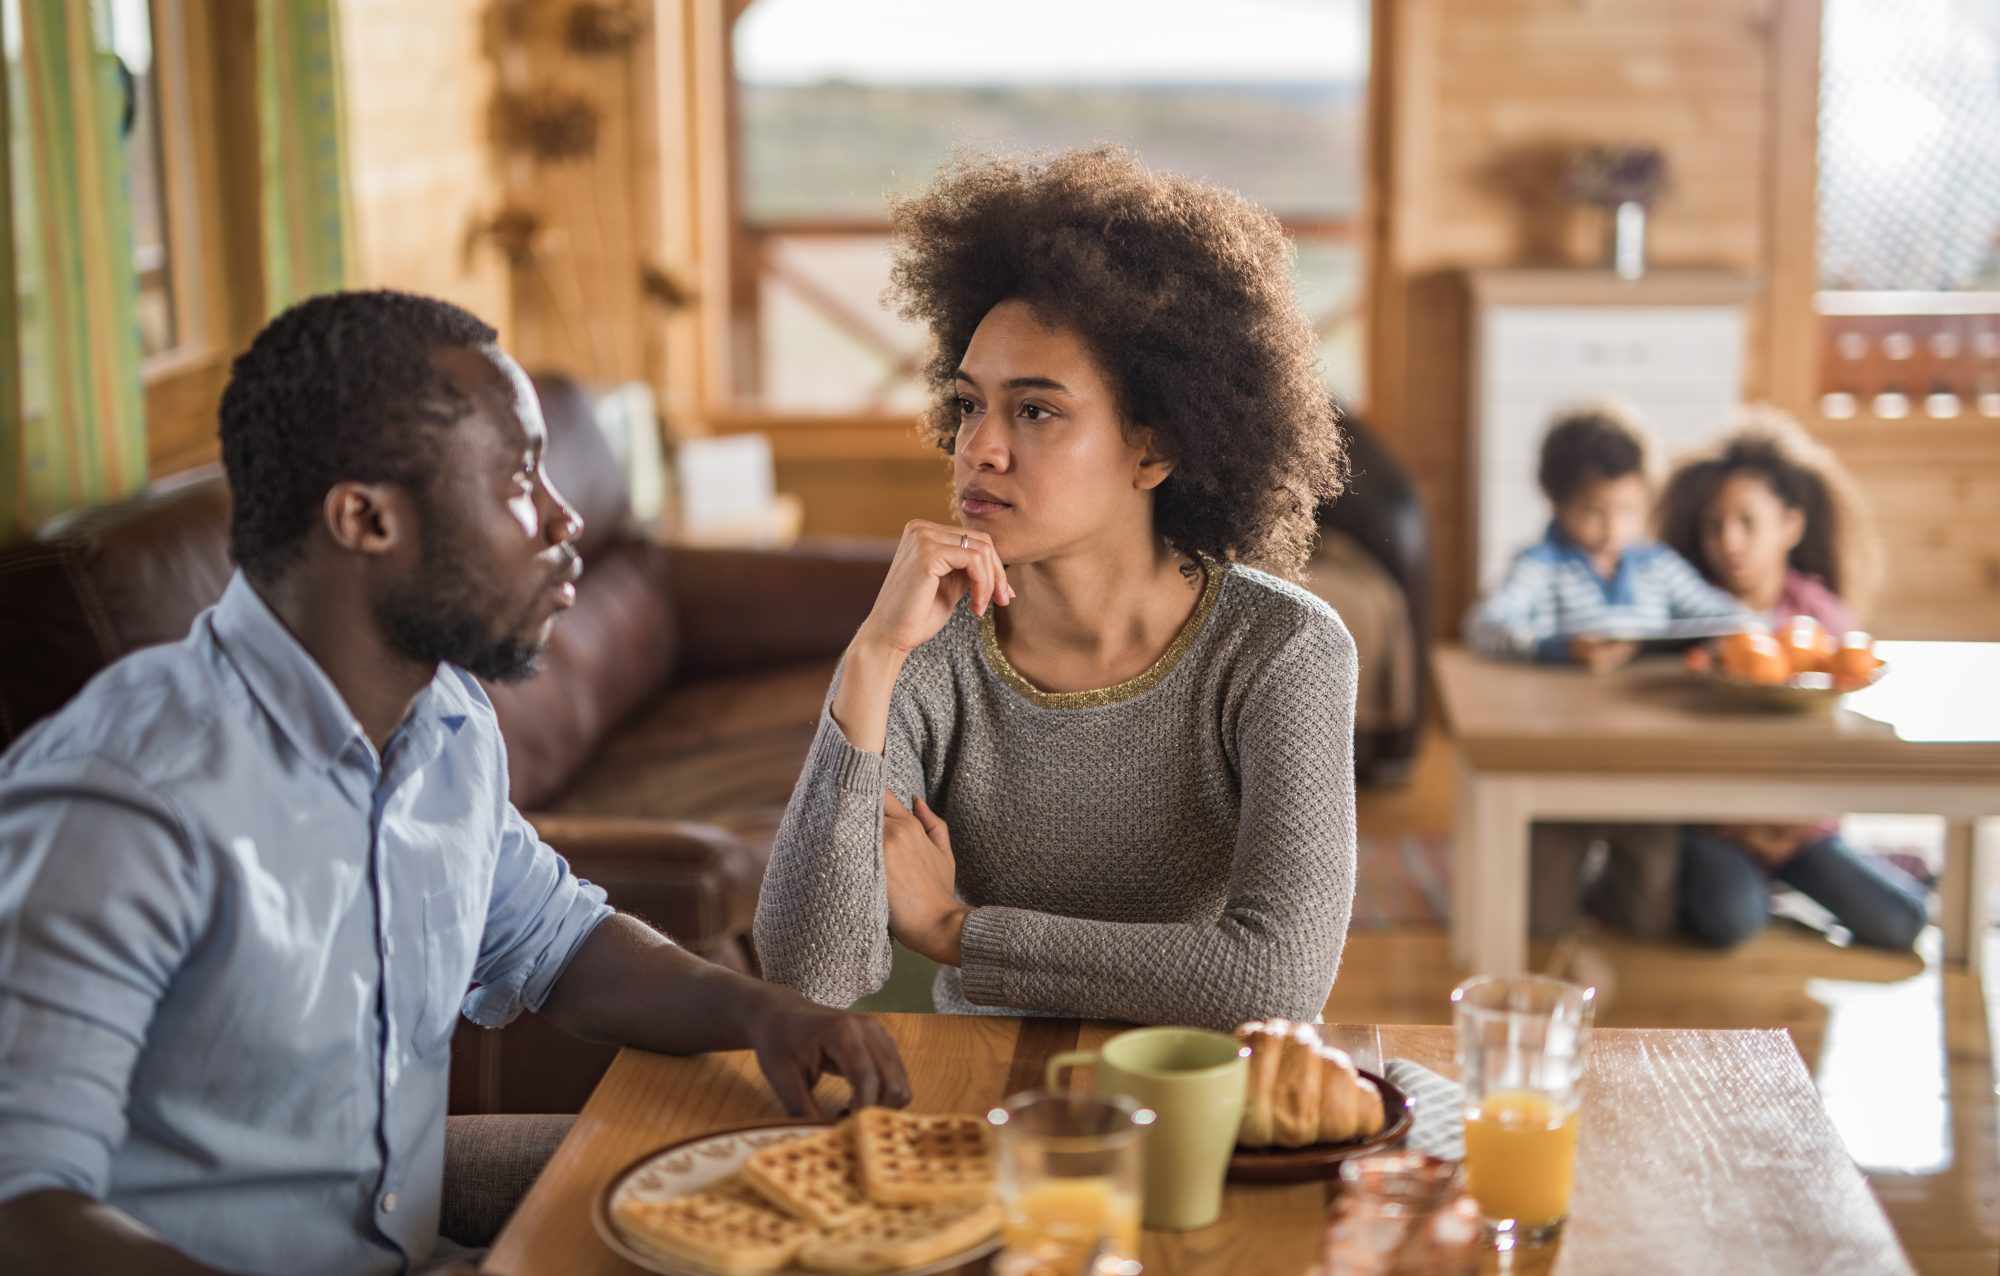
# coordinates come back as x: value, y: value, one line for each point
x: 1070, y: 1183
x: 1521, y: 1047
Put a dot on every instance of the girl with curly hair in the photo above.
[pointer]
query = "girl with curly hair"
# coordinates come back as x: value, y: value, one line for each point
x: 1082, y: 754
x: 1770, y: 516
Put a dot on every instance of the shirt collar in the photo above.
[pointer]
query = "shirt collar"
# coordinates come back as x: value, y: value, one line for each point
x: 295, y: 691
x: 1563, y: 544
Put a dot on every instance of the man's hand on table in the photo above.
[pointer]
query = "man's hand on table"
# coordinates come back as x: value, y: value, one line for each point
x: 797, y: 1045
x: 631, y: 985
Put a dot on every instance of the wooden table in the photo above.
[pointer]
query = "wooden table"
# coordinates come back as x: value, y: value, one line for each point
x: 1701, y: 1151
x: 1649, y: 742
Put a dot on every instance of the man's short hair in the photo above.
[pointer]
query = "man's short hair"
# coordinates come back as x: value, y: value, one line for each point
x: 1589, y: 445
x: 339, y: 387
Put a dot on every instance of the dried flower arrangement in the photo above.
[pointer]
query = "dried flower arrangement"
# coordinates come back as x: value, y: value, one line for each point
x: 1608, y: 176
x: 601, y: 28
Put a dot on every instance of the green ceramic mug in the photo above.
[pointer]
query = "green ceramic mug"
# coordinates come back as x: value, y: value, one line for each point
x: 1194, y: 1080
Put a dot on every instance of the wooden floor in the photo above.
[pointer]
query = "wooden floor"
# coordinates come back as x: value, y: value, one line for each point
x: 1903, y: 1053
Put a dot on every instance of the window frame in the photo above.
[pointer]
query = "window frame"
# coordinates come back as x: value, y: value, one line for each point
x: 1793, y: 322
x: 204, y: 55
x: 702, y: 229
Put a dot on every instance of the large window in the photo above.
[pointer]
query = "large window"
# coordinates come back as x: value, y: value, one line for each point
x: 152, y: 248
x: 1909, y: 209
x: 839, y: 105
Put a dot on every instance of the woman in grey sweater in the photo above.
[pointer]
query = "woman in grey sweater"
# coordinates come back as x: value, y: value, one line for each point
x: 1079, y: 754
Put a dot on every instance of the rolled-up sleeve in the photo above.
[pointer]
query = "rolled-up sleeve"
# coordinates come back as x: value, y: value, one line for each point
x: 537, y: 918
x: 102, y: 897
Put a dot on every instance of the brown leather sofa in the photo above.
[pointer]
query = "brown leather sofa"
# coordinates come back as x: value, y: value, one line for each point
x: 655, y: 750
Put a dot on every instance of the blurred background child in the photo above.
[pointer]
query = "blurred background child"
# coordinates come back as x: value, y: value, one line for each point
x: 1596, y: 578
x: 1577, y: 596
x: 1770, y: 517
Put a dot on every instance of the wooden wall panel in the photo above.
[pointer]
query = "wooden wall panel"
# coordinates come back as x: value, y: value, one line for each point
x: 1481, y: 100
x: 578, y: 304
x: 867, y: 496
x: 1931, y: 492
x: 417, y: 85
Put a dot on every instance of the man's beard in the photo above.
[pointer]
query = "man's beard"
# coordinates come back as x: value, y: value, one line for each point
x: 445, y: 614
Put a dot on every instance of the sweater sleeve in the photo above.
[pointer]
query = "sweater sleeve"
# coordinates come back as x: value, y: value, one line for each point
x: 1520, y: 618
x: 1277, y: 943
x: 822, y: 923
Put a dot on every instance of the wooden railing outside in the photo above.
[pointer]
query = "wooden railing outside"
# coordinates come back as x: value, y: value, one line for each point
x: 761, y: 245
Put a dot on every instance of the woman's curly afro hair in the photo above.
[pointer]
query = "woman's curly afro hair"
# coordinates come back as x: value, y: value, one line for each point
x: 1182, y: 292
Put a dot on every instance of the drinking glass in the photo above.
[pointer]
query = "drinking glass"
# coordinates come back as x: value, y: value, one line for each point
x: 1521, y: 1046
x: 1070, y: 1184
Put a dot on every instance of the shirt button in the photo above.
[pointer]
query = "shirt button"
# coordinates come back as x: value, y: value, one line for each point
x: 388, y: 1202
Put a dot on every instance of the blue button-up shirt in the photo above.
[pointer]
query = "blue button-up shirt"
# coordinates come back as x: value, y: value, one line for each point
x: 234, y: 942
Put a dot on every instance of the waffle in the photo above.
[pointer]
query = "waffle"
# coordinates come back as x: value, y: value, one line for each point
x: 922, y: 1160
x: 892, y: 1238
x: 725, y: 1227
x: 811, y: 1177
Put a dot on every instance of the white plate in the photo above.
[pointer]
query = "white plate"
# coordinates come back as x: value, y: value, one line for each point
x: 692, y: 1164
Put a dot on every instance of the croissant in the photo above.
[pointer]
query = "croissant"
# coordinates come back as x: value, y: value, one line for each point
x: 1302, y: 1090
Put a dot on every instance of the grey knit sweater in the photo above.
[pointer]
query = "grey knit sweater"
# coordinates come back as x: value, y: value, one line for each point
x: 1177, y: 849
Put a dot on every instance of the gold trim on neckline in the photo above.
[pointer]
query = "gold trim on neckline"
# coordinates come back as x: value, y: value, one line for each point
x: 989, y: 638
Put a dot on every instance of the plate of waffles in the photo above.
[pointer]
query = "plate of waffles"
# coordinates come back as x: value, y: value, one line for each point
x: 880, y: 1192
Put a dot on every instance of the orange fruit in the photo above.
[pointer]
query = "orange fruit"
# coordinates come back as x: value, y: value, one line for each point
x: 1700, y: 659
x: 1733, y: 651
x: 1768, y: 663
x: 1808, y: 644
x: 1855, y: 663
x: 1754, y: 657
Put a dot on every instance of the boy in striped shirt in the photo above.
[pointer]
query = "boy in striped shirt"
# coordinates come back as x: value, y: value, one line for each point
x: 1596, y: 578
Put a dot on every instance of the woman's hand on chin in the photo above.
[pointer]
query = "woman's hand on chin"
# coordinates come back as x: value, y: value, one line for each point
x: 935, y: 566
x: 925, y: 914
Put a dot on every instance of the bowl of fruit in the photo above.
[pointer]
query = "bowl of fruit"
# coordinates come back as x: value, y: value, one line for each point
x: 1802, y: 667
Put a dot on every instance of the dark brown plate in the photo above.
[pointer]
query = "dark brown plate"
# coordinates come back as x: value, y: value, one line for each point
x: 1322, y: 1160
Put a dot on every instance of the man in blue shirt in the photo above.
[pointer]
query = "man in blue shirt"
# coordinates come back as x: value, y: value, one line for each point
x: 246, y: 879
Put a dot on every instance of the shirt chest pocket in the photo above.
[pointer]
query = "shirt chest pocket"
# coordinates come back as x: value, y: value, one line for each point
x: 450, y: 948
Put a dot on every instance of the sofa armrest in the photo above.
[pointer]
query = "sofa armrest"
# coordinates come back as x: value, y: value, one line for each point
x: 742, y: 609
x: 696, y: 882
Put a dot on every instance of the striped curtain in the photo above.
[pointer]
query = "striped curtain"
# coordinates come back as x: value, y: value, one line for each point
x: 72, y: 421
x: 306, y: 222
